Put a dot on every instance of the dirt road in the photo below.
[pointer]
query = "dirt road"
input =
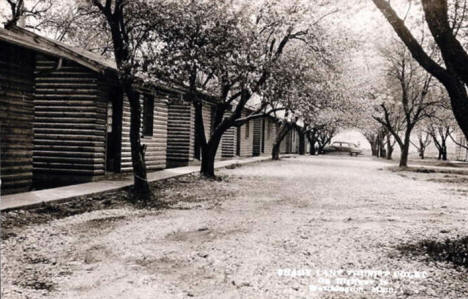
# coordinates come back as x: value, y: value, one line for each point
x: 305, y: 227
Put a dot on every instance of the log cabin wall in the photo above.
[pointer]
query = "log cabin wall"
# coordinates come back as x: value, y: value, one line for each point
x: 156, y: 141
x: 295, y: 142
x: 16, y: 118
x: 286, y: 143
x: 70, y: 116
x: 180, y: 133
x: 257, y: 137
x: 156, y: 151
x: 229, y: 143
x: 246, y: 138
x: 270, y: 134
x: 283, y: 145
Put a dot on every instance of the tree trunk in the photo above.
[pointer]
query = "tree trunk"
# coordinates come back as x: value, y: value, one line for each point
x: 404, y: 156
x: 207, y: 163
x: 141, y: 186
x: 455, y: 76
x: 374, y: 149
x: 389, y: 151
x: 405, y: 151
x: 422, y: 149
x: 275, y: 151
x: 372, y: 139
x: 389, y: 148
x: 312, y: 141
x: 382, y: 151
x: 208, y: 154
x: 421, y: 153
x: 444, y: 149
x: 282, y: 132
x: 459, y: 100
x: 443, y: 152
x: 301, y: 143
x: 321, y: 146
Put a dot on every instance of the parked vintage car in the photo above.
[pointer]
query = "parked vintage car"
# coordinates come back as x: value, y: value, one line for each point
x: 343, y: 147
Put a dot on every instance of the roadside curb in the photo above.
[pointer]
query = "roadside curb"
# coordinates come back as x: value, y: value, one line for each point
x: 34, y: 199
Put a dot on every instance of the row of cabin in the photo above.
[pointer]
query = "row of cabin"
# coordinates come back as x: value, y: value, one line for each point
x: 63, y: 120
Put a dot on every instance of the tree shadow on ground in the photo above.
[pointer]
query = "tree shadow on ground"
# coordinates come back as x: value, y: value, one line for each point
x: 166, y: 194
x: 454, y: 251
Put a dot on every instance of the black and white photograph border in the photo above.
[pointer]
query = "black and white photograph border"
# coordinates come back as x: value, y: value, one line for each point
x: 234, y: 149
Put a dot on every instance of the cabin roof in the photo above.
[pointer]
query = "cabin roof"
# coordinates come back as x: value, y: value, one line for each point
x: 24, y: 38
x: 33, y: 41
x: 30, y: 40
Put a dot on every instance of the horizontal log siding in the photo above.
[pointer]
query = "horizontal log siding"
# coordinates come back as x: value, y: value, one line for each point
x: 180, y: 132
x: 16, y: 118
x: 228, y: 143
x: 156, y: 145
x: 270, y: 126
x: 246, y: 143
x: 257, y: 136
x: 295, y: 141
x: 155, y: 154
x: 192, y: 134
x: 285, y: 147
x: 69, y: 121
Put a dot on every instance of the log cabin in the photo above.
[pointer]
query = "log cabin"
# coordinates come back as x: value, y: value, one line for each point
x: 244, y: 146
x: 264, y: 135
x: 290, y: 143
x: 16, y: 116
x: 256, y: 137
x: 183, y: 147
x: 228, y: 144
x: 63, y: 120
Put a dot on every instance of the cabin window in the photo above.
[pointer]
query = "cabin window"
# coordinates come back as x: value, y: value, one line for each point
x: 247, y: 129
x: 109, y: 117
x: 148, y: 115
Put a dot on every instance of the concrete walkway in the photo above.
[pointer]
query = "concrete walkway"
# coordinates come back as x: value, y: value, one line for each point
x: 35, y: 198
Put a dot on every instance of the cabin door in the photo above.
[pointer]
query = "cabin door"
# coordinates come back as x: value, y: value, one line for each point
x: 113, y: 134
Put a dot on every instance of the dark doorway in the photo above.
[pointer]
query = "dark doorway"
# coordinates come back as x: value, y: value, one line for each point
x: 114, y: 132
